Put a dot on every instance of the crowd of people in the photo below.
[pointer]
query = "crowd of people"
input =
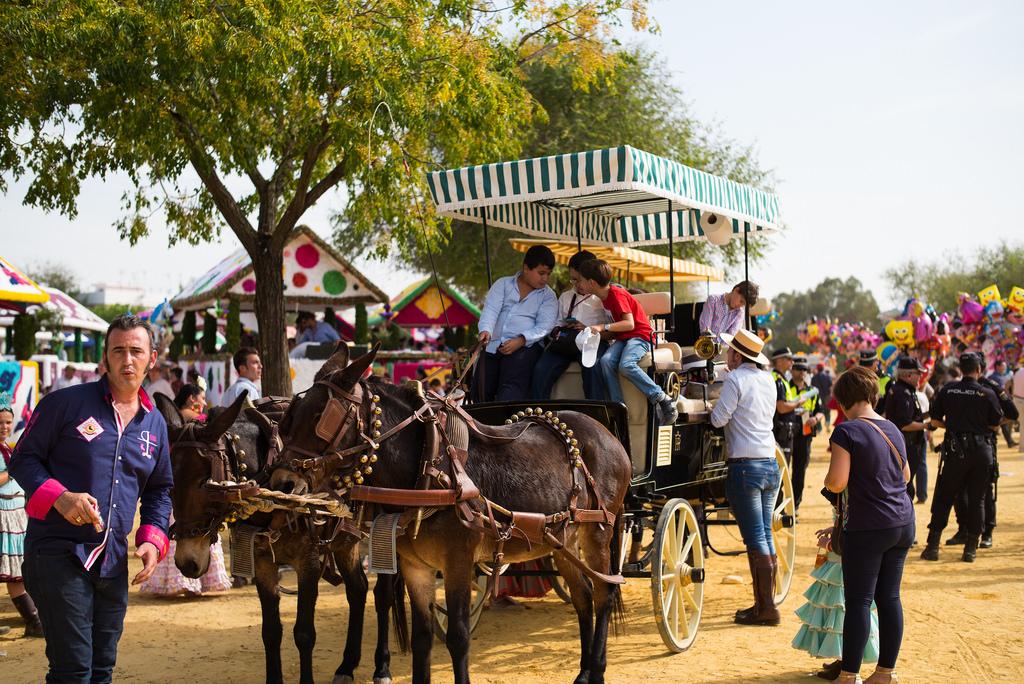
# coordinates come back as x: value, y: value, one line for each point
x: 64, y: 525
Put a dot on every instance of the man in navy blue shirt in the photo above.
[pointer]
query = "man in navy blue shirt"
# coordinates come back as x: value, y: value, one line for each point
x: 519, y: 312
x: 89, y: 455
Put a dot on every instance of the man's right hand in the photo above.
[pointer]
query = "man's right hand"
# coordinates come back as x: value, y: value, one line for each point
x: 79, y: 509
x: 484, y: 337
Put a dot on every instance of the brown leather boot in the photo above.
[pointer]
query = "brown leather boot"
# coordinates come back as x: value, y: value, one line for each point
x: 747, y: 612
x: 25, y: 606
x: 764, y: 593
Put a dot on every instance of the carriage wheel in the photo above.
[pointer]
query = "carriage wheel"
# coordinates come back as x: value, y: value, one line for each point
x: 784, y: 529
x: 477, y: 598
x: 677, y: 575
x: 558, y: 583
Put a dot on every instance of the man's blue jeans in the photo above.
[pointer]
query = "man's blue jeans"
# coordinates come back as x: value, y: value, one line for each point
x: 623, y: 357
x: 552, y: 365
x: 82, y: 615
x: 751, y: 487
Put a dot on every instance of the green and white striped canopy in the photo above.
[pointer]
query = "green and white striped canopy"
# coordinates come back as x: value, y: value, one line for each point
x: 617, y: 196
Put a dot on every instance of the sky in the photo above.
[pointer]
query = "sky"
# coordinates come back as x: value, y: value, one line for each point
x: 894, y: 130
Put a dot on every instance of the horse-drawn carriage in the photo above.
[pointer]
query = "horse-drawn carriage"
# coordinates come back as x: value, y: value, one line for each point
x: 629, y: 198
x: 451, y: 488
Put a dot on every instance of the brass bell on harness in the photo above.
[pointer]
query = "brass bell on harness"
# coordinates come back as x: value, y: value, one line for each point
x: 508, y: 421
x: 376, y: 424
x: 574, y: 442
x: 242, y: 467
x: 376, y: 434
x: 375, y: 398
x: 548, y: 415
x: 368, y: 470
x: 529, y: 412
x: 377, y: 410
x: 364, y: 458
x: 241, y: 453
x: 373, y: 458
x: 563, y: 427
x: 568, y: 433
x: 348, y: 480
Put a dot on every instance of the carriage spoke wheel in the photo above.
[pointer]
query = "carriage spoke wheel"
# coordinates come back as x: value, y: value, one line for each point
x: 784, y: 529
x: 477, y: 598
x: 677, y: 575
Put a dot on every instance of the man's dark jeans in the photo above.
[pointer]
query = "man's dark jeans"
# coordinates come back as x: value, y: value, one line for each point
x: 507, y: 377
x: 82, y: 615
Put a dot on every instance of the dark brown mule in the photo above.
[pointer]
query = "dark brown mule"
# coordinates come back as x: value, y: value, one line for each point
x: 198, y: 515
x: 529, y: 473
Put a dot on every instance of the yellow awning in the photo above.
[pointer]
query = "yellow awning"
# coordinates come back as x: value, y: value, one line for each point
x: 631, y: 264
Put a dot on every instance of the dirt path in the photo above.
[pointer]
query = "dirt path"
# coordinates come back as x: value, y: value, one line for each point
x: 963, y: 623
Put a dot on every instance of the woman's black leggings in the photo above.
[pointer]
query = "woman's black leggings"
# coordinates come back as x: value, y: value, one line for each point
x: 873, y: 570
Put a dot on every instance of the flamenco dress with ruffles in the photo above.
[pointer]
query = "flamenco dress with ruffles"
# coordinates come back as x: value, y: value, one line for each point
x: 13, y: 523
x: 821, y: 631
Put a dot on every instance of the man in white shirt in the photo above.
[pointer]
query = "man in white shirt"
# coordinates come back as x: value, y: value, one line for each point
x: 746, y: 408
x: 575, y: 312
x: 158, y: 384
x: 250, y: 370
x: 67, y: 378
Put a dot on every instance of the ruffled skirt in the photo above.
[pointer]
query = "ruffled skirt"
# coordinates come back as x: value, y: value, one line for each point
x: 821, y: 631
x: 168, y: 581
x: 13, y: 523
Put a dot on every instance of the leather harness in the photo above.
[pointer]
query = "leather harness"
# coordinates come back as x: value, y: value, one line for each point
x: 439, y: 486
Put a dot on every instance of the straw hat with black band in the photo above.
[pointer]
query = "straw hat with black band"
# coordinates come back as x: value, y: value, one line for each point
x: 746, y: 344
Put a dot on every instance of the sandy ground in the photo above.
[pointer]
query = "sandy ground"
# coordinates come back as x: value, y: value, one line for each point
x: 963, y: 623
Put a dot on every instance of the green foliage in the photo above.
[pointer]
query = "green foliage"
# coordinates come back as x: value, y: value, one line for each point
x: 209, y: 341
x: 109, y: 312
x: 391, y: 337
x: 188, y: 330
x: 272, y: 104
x: 938, y: 283
x: 233, y: 331
x: 25, y: 327
x: 634, y: 103
x: 362, y: 332
x: 846, y: 300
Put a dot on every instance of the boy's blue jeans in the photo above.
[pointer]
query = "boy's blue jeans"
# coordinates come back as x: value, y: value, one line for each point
x: 623, y: 357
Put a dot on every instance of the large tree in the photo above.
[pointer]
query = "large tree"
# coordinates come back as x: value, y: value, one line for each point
x: 244, y: 113
x: 939, y: 282
x: 635, y: 102
x: 845, y: 300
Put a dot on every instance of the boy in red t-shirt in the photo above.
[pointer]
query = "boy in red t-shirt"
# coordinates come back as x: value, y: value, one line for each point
x: 632, y: 332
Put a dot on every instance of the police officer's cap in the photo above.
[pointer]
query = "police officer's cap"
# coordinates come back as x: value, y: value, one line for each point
x: 868, y: 357
x: 800, y: 363
x: 909, y: 363
x: 970, y: 361
x: 782, y: 353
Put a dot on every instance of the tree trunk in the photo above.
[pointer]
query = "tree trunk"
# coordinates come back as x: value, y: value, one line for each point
x: 270, y: 314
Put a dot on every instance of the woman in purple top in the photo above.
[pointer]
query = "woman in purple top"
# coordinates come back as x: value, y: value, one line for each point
x: 869, y: 470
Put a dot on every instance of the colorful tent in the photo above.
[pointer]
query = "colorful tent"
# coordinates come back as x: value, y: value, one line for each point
x: 422, y: 305
x: 315, y: 274
x: 17, y: 290
x: 634, y: 265
x: 617, y: 196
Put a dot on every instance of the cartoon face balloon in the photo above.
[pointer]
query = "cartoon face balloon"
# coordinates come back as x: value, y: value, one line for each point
x: 1015, y: 302
x: 900, y: 332
x: 989, y: 294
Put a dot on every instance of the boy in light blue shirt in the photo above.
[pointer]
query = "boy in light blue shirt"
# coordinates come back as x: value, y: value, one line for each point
x: 519, y: 312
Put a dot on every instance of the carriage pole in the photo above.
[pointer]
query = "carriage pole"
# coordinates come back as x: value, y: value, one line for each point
x: 487, y: 251
x: 671, y: 272
x: 579, y: 242
x: 746, y: 277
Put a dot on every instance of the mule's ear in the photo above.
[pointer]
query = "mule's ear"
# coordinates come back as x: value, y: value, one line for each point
x: 338, y: 360
x: 220, y: 423
x: 169, y: 411
x: 355, y: 370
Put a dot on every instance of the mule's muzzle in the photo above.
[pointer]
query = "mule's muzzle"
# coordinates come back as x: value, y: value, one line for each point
x: 288, y: 482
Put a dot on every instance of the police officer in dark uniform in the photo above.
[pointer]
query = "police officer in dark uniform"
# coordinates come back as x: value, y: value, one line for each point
x: 1010, y: 413
x: 810, y: 424
x: 787, y: 420
x: 970, y: 412
x: 903, y: 409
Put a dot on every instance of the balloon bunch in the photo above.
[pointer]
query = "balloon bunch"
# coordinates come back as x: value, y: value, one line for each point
x: 842, y: 338
x: 991, y: 324
x: 763, y: 323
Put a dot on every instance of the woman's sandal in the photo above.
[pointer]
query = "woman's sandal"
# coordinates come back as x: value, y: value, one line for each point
x: 879, y: 677
x: 849, y: 678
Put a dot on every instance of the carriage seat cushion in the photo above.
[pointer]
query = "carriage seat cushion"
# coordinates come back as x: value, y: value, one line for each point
x: 655, y: 303
x: 667, y: 356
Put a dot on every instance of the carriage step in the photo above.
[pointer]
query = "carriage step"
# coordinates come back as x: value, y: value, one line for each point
x: 243, y: 552
x: 383, y: 536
